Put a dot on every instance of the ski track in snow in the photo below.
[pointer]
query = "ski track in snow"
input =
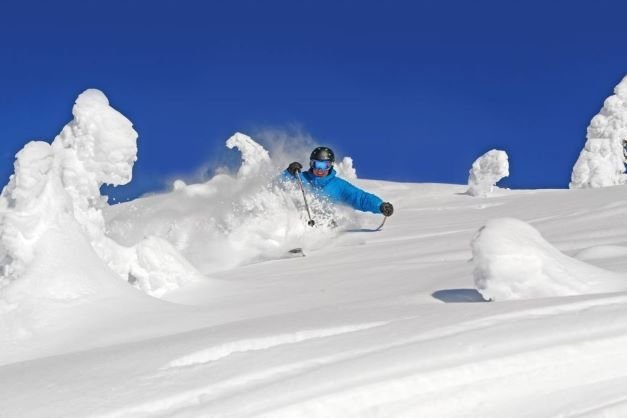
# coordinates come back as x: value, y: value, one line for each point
x: 388, y: 389
x: 169, y: 405
x: 460, y: 378
x: 614, y: 408
x: 424, y: 236
x: 465, y: 383
x: 457, y: 378
x: 241, y: 346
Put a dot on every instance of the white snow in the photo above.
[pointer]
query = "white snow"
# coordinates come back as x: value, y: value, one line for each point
x: 57, y: 186
x: 601, y: 163
x: 486, y: 171
x: 254, y: 156
x: 513, y: 261
x: 345, y: 169
x: 380, y: 324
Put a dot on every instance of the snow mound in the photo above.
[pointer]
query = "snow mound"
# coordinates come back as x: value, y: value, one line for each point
x: 513, y: 261
x: 486, y: 171
x: 601, y: 163
x: 57, y: 187
x: 65, y: 284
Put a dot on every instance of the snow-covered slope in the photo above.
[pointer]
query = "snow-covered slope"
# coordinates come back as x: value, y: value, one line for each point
x: 187, y: 304
x: 385, y: 324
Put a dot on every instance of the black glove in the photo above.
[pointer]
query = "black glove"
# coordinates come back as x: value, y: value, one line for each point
x: 294, y: 167
x: 386, y: 208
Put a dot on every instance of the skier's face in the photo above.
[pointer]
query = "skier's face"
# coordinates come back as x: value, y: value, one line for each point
x: 320, y: 168
x: 320, y: 173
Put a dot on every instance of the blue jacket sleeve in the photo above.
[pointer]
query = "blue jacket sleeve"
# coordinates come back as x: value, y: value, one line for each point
x: 286, y: 176
x: 359, y: 199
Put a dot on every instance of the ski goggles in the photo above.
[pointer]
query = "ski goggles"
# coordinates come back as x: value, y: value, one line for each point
x: 320, y: 165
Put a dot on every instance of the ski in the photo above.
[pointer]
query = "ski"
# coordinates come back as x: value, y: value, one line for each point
x: 297, y: 252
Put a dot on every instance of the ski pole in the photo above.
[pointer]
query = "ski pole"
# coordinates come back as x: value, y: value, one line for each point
x: 302, y: 189
x: 385, y: 218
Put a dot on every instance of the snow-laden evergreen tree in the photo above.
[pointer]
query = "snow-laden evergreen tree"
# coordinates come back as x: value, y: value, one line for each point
x: 602, y: 161
x: 56, y: 187
x: 486, y: 171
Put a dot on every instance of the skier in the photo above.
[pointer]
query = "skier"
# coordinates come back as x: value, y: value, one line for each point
x: 321, y: 178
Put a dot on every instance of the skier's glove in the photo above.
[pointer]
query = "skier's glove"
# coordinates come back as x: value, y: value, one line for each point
x: 294, y: 167
x: 386, y: 208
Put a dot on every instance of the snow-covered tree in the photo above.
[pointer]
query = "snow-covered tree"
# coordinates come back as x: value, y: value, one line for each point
x: 254, y: 156
x: 345, y: 168
x: 486, y: 171
x: 57, y: 187
x: 602, y: 161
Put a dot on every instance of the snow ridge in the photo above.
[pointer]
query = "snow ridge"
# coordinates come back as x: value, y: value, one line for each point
x: 225, y: 350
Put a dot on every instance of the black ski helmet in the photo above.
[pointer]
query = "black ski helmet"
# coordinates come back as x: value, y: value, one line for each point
x: 322, y: 154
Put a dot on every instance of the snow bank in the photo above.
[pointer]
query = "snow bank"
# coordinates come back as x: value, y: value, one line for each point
x: 513, y: 261
x: 486, y: 171
x: 601, y: 163
x: 57, y: 187
x: 66, y: 271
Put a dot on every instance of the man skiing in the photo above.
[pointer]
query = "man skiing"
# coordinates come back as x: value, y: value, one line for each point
x: 321, y: 178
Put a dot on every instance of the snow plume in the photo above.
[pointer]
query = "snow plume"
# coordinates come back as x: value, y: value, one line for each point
x: 57, y: 187
x: 513, y: 261
x: 292, y: 144
x: 486, y: 171
x: 287, y: 144
x: 232, y: 219
x: 601, y: 163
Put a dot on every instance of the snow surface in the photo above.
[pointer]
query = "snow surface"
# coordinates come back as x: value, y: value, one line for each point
x: 601, y: 163
x: 392, y: 323
x: 486, y: 171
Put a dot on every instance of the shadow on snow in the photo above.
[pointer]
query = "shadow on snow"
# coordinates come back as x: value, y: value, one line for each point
x: 458, y: 296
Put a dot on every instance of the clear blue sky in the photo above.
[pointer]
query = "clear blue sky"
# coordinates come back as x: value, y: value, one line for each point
x: 412, y: 90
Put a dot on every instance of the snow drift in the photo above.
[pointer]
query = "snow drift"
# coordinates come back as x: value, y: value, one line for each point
x: 601, y: 163
x: 486, y: 171
x: 513, y: 261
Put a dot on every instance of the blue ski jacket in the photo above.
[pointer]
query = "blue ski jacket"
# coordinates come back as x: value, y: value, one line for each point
x: 338, y: 190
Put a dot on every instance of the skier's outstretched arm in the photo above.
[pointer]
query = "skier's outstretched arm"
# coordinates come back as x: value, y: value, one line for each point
x: 361, y: 200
